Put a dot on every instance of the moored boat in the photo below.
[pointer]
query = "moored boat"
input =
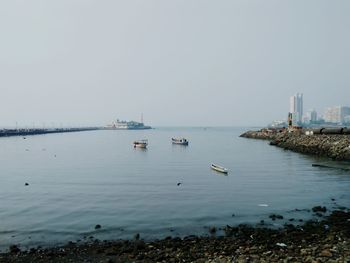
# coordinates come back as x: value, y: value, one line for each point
x: 181, y: 141
x: 141, y: 144
x: 219, y: 168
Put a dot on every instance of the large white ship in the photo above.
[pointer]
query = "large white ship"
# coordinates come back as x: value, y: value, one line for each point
x: 127, y: 125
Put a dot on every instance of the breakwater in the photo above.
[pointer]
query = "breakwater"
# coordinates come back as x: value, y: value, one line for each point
x: 335, y: 146
x: 33, y: 131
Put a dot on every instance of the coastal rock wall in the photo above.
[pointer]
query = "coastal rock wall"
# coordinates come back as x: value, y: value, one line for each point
x: 261, y: 135
x: 333, y: 146
x: 336, y: 147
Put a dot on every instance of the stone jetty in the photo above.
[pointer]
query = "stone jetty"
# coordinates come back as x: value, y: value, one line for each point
x: 335, y: 146
x: 39, y: 131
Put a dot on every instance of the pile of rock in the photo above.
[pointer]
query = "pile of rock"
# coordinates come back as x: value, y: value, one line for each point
x: 316, y: 241
x: 261, y: 134
x: 336, y: 147
x: 333, y: 146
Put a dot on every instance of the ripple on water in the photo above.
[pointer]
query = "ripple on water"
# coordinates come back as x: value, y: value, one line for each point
x: 98, y: 178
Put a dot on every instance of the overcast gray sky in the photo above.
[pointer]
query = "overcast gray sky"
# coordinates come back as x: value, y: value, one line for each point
x: 180, y: 62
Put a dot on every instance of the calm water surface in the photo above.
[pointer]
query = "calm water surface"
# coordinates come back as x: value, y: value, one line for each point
x: 78, y: 180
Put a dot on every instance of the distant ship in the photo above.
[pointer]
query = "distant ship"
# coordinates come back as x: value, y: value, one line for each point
x: 127, y: 125
x: 181, y: 141
x: 141, y: 144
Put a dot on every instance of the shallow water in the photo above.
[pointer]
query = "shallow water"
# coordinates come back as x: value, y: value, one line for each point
x: 78, y: 180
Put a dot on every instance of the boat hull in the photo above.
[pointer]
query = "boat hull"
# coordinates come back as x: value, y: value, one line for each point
x: 219, y: 169
x: 179, y: 141
x: 141, y: 144
x: 116, y: 128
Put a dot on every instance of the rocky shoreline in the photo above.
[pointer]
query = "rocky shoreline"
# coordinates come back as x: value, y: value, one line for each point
x: 334, y: 146
x: 326, y: 240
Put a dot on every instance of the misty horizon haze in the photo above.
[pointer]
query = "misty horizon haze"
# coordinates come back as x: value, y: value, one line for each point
x: 180, y: 63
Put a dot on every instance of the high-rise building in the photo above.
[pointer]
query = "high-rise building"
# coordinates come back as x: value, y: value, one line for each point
x: 313, y: 116
x: 296, y: 108
x: 310, y: 117
x: 336, y: 114
x: 347, y: 119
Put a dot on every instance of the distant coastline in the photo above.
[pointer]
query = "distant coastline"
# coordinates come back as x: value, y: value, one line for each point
x: 34, y: 131
x: 119, y: 125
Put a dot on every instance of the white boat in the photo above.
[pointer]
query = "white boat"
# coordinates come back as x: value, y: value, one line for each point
x: 181, y: 141
x: 141, y: 144
x: 127, y: 125
x: 219, y: 168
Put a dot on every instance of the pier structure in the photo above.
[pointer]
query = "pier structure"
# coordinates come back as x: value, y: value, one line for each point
x: 38, y: 131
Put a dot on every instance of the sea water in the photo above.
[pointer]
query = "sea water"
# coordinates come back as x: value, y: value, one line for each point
x: 79, y: 180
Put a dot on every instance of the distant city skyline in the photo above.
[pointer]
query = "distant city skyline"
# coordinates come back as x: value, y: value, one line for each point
x: 330, y: 115
x: 337, y: 114
x: 180, y: 63
x: 296, y: 108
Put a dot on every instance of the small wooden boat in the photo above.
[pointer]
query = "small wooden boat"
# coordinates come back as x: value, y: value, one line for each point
x: 141, y: 144
x: 181, y: 141
x: 219, y: 168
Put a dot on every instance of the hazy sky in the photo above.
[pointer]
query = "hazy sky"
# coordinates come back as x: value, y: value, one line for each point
x: 180, y: 62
